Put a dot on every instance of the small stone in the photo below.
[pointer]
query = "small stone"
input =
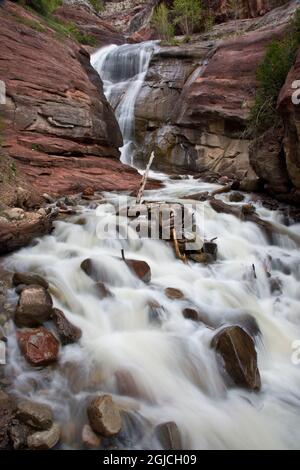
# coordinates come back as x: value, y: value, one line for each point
x: 67, y: 332
x: 89, y: 438
x: 14, y: 214
x: 48, y: 198
x: 174, y: 294
x: 102, y: 290
x: 104, y: 416
x: 36, y: 415
x: 29, y: 279
x: 44, y: 440
x: 190, y: 314
x: 88, y: 193
x: 169, y: 436
x: 236, y: 197
x: 34, y: 307
x: 140, y: 268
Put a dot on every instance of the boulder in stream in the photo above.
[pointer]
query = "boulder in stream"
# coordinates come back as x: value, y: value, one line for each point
x: 39, y: 346
x: 44, y: 440
x: 36, y: 415
x: 104, y: 416
x: 67, y: 332
x: 238, y: 353
x: 29, y: 279
x: 89, y: 438
x: 174, y: 294
x: 34, y: 307
x: 169, y: 436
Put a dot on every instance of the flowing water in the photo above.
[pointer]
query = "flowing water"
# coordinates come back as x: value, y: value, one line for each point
x: 158, y: 365
x: 123, y: 70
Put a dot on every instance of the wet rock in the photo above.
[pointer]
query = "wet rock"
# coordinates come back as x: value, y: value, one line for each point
x: 36, y: 415
x: 34, y: 307
x: 190, y: 314
x: 88, y: 193
x: 67, y: 332
x: 18, y: 434
x: 88, y: 268
x: 20, y: 288
x: 29, y: 279
x: 126, y: 384
x: 169, y: 436
x: 89, y: 438
x: 207, y: 254
x: 236, y: 197
x: 140, y: 268
x: 104, y: 416
x: 174, y: 294
x: 39, y: 346
x: 44, y: 440
x: 239, y: 356
x: 102, y: 290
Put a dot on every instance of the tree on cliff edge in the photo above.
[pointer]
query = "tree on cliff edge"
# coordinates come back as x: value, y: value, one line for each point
x: 187, y: 14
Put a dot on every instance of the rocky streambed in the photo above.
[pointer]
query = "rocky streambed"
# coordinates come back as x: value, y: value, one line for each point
x: 118, y: 343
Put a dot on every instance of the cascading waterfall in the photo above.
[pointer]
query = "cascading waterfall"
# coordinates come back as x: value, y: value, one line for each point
x: 123, y: 70
x: 158, y: 365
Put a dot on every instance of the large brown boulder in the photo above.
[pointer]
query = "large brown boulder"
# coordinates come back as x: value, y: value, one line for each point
x: 29, y: 279
x: 237, y: 351
x: 34, y: 307
x: 39, y: 346
x: 36, y: 415
x: 104, y: 416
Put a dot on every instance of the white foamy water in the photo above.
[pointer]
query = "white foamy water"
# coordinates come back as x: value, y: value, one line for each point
x: 169, y: 359
x: 123, y: 70
x: 158, y: 365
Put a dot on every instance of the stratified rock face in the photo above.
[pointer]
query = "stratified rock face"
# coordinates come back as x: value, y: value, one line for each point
x: 59, y: 126
x: 289, y: 107
x: 194, y: 105
x: 89, y: 23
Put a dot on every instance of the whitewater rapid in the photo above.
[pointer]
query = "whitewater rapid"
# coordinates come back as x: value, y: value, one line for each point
x: 158, y: 365
x: 169, y: 358
x: 123, y: 70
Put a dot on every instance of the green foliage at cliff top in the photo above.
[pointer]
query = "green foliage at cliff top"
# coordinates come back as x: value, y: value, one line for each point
x: 271, y: 76
x: 187, y: 14
x: 43, y: 7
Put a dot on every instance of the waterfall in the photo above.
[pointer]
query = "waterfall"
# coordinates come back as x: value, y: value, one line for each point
x: 123, y: 70
x: 136, y: 343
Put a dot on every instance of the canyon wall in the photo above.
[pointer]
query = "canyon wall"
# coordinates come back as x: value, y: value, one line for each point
x: 58, y: 126
x: 196, y: 99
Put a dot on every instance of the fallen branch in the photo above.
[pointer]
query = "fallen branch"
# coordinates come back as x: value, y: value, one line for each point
x: 144, y: 179
x: 176, y: 247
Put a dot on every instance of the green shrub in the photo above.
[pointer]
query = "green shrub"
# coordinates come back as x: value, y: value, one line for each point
x: 271, y: 76
x: 161, y: 22
x: 187, y: 14
x: 43, y: 7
